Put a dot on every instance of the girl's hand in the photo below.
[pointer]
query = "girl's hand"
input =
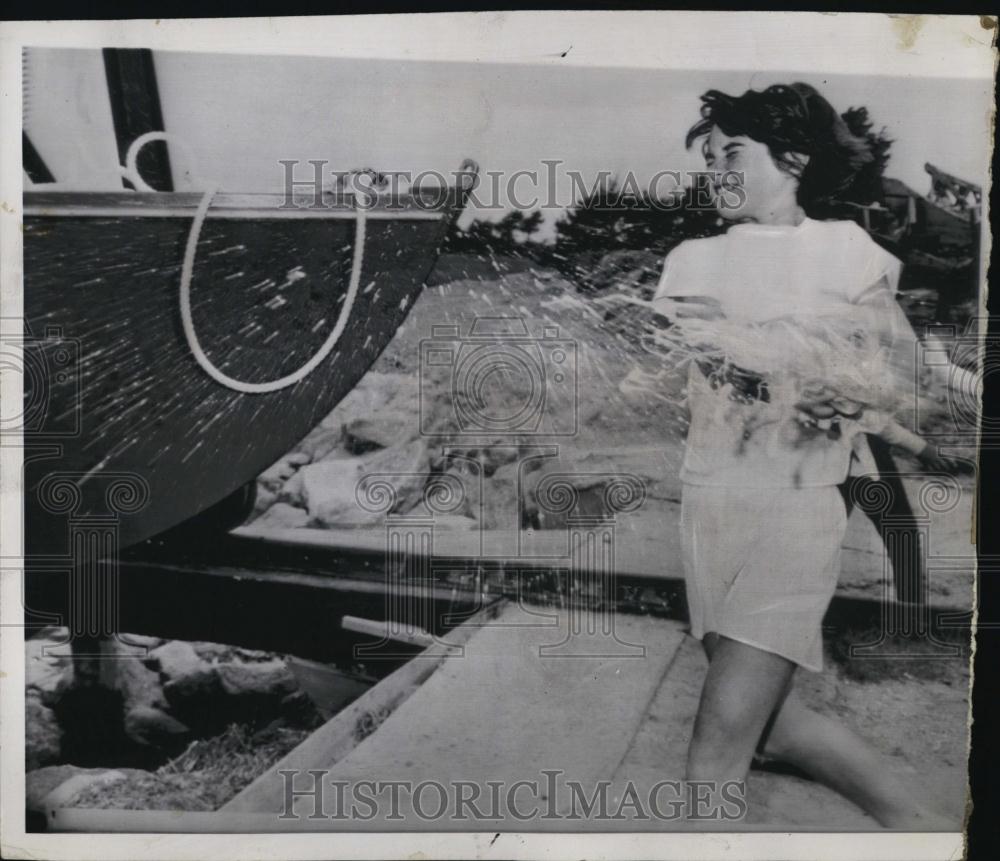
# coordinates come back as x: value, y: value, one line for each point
x: 821, y: 408
x: 934, y: 461
x: 821, y: 402
x: 847, y: 408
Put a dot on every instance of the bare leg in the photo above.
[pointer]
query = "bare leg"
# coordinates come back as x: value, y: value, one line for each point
x: 743, y: 687
x: 746, y: 686
x: 833, y: 755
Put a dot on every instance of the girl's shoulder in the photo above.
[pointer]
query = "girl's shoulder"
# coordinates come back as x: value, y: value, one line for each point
x: 850, y: 248
x: 844, y: 228
x: 692, y: 249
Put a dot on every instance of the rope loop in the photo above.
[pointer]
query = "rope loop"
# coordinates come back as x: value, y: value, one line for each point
x: 130, y: 172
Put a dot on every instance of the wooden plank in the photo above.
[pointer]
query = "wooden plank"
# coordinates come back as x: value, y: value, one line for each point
x: 515, y: 704
x: 110, y: 821
x: 387, y: 630
x: 646, y: 556
x: 256, y: 205
x: 235, y: 604
x: 340, y: 735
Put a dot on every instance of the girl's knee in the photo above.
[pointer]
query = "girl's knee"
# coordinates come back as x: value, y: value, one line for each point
x: 717, y: 763
x: 791, y: 729
x: 705, y: 764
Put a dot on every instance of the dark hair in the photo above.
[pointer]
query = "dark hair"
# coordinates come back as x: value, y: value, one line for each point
x: 789, y: 120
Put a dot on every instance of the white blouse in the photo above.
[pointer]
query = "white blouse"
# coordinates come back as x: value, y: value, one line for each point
x: 759, y: 273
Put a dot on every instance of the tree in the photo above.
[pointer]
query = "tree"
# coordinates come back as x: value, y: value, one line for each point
x: 510, y: 235
x: 609, y: 218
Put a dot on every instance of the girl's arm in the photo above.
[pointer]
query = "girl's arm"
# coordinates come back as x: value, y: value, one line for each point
x: 896, y: 434
x: 886, y: 317
x: 927, y: 452
x: 684, y: 292
x: 688, y: 308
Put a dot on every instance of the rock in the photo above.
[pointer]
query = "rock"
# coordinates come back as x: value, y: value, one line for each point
x: 265, y: 680
x: 222, y: 652
x: 405, y: 467
x: 281, y: 515
x: 48, y: 665
x: 503, y: 504
x: 388, y: 428
x: 584, y: 483
x: 193, y: 691
x: 465, y: 479
x: 658, y: 468
x: 40, y: 782
x: 342, y: 493
x: 263, y: 500
x: 373, y: 393
x: 254, y: 656
x: 455, y: 521
x: 138, y: 684
x: 498, y: 452
x: 293, y: 491
x: 658, y: 520
x: 42, y: 735
x: 327, y: 490
x: 141, y: 641
x: 279, y: 472
x: 152, y: 727
x: 126, y: 673
x: 321, y: 443
x: 212, y: 653
x: 175, y: 659
x: 64, y: 794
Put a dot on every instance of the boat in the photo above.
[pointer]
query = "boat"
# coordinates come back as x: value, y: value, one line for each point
x: 945, y: 220
x: 178, y: 343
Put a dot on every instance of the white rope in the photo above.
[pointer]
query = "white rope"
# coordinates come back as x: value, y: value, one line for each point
x: 290, y: 379
x: 187, y: 271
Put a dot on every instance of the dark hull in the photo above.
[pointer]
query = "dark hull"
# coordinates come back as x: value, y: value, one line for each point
x: 120, y: 420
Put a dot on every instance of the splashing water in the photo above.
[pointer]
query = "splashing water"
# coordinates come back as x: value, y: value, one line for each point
x: 839, y: 357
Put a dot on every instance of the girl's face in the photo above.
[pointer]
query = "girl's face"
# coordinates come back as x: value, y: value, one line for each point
x: 747, y: 182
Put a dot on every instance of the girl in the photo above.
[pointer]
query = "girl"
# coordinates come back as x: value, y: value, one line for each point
x: 762, y: 519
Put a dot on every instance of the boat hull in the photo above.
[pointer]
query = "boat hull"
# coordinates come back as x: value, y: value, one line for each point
x: 120, y: 420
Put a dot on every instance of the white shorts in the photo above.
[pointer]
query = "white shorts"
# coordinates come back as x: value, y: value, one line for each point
x: 761, y: 565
